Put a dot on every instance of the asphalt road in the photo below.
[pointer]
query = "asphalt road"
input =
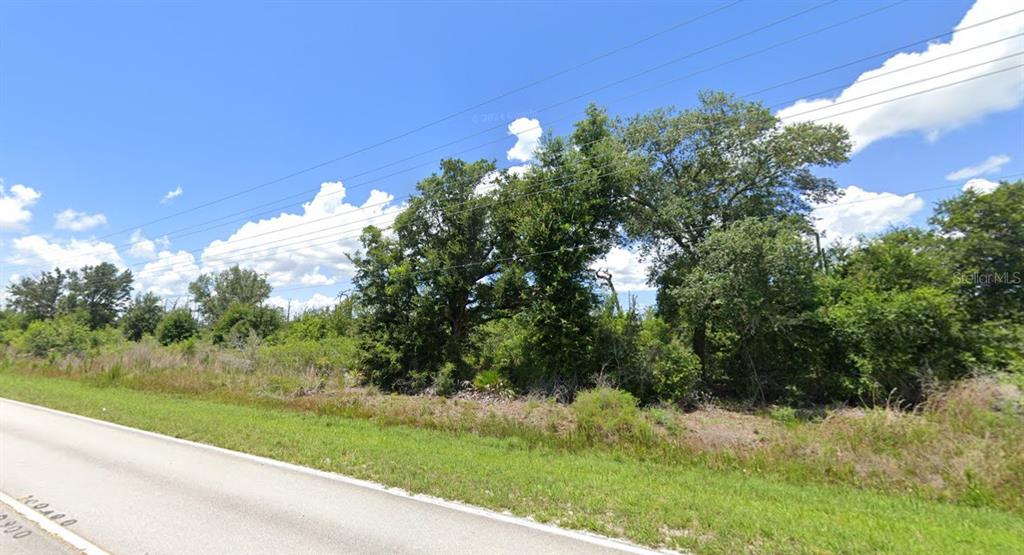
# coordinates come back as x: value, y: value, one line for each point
x: 133, y: 492
x: 20, y: 536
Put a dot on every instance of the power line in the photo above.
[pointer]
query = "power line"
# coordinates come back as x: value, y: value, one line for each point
x: 586, y: 245
x: 304, y: 237
x: 872, y: 77
x: 733, y: 60
x: 449, y: 116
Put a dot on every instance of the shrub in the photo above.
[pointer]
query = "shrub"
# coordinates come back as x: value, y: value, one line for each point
x: 325, y: 356
x: 142, y: 316
x: 610, y: 416
x: 900, y: 341
x: 643, y: 355
x: 240, y: 321
x: 176, y: 326
x: 492, y: 381
x: 64, y: 335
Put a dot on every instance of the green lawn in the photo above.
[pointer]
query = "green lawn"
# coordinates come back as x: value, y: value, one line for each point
x: 682, y: 506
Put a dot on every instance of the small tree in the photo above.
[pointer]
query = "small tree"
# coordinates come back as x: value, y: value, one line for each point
x: 241, y: 320
x: 101, y: 292
x: 755, y: 290
x: 38, y: 298
x: 142, y: 316
x: 176, y: 326
x: 215, y: 293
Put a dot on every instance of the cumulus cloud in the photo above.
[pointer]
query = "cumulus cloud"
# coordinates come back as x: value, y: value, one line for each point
x: 168, y: 275
x: 991, y: 165
x: 298, y: 306
x: 172, y: 194
x: 492, y: 181
x: 937, y: 112
x: 628, y: 270
x: 73, y: 220
x: 527, y: 133
x: 144, y: 248
x: 863, y: 212
x: 14, y: 206
x: 39, y: 253
x: 309, y: 248
x: 980, y: 185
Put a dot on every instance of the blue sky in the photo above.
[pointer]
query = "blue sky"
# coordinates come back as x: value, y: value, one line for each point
x: 105, y: 108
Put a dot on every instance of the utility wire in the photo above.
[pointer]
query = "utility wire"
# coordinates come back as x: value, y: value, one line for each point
x: 587, y: 245
x: 304, y: 237
x: 248, y: 217
x: 619, y: 81
x: 303, y: 194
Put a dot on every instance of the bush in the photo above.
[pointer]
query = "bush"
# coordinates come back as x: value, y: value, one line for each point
x: 142, y: 317
x: 643, y: 355
x: 901, y: 341
x: 240, y: 321
x: 325, y: 356
x: 610, y: 416
x: 65, y: 335
x: 176, y: 326
x: 492, y: 381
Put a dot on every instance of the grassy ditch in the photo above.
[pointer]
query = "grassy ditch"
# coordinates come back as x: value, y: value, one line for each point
x: 683, y: 506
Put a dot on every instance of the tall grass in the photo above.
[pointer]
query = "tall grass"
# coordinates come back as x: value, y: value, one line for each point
x: 963, y: 445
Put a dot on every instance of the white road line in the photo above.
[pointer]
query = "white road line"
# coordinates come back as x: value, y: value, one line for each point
x: 580, y: 535
x: 65, y: 535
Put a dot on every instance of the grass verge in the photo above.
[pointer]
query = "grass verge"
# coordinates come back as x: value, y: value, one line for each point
x: 675, y: 505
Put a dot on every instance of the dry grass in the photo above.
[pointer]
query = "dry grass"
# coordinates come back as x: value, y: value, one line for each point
x: 963, y: 445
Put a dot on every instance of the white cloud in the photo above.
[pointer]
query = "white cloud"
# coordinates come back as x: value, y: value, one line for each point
x: 39, y: 253
x: 318, y: 300
x: 308, y: 248
x: 168, y: 275
x: 172, y: 194
x: 491, y: 182
x: 527, y: 132
x: 980, y: 186
x: 141, y: 247
x: 991, y: 165
x: 628, y: 270
x: 863, y: 212
x: 940, y: 111
x: 74, y: 220
x: 14, y: 206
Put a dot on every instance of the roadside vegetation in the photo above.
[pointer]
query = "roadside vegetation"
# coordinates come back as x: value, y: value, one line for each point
x: 886, y: 372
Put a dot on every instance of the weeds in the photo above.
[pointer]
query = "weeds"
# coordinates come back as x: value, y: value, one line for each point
x: 962, y: 445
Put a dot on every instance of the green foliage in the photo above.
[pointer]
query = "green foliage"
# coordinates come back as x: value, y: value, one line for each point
x: 897, y: 322
x: 176, y: 326
x: 899, y: 342
x: 754, y: 290
x: 644, y: 356
x: 423, y: 292
x: 985, y: 235
x: 241, y: 321
x: 314, y: 325
x: 38, y: 298
x: 492, y: 381
x: 710, y: 166
x: 101, y: 292
x: 98, y: 292
x: 64, y: 335
x: 142, y: 316
x: 610, y: 416
x: 325, y: 356
x: 215, y: 293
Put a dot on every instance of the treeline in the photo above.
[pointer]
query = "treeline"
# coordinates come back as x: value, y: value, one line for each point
x: 496, y: 284
x: 487, y: 278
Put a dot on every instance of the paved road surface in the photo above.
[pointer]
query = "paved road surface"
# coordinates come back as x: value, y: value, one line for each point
x: 132, y: 492
x: 20, y: 536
